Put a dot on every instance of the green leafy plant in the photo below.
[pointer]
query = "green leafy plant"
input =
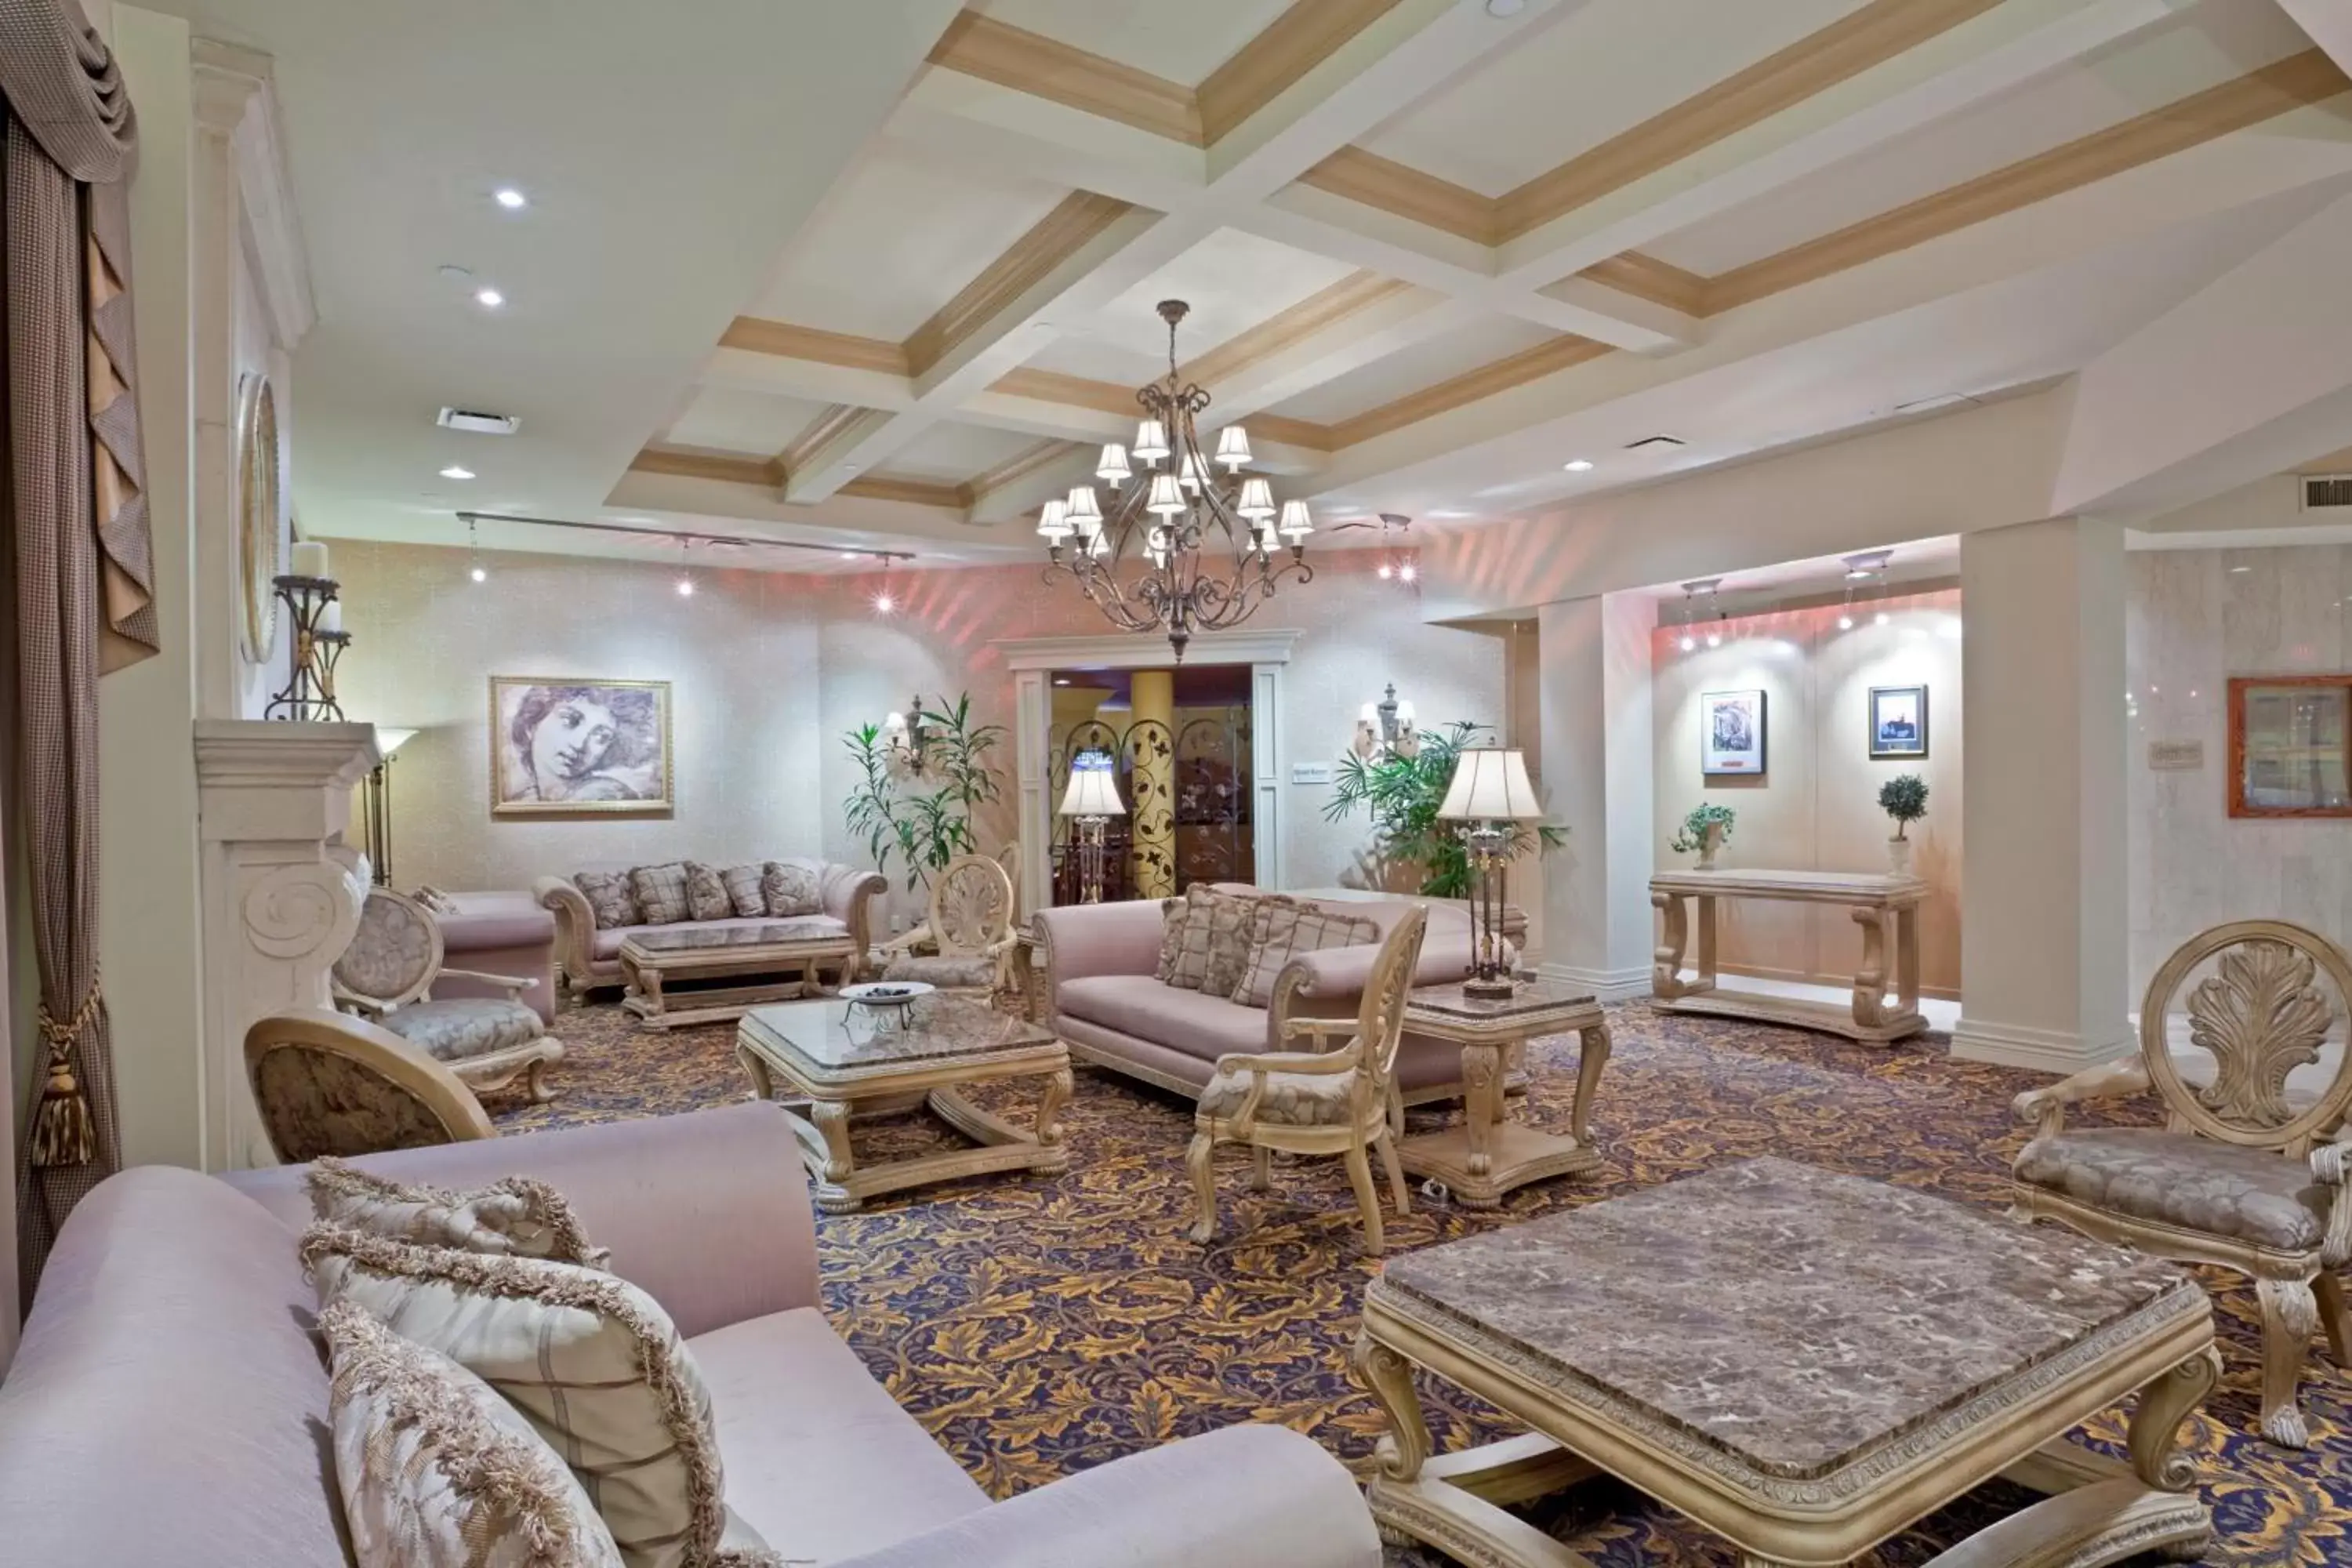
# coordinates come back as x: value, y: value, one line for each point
x: 1904, y: 797
x: 1403, y: 794
x: 1706, y: 814
x: 924, y: 819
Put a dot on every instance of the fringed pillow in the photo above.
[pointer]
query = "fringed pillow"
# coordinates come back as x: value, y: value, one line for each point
x: 706, y: 895
x: 518, y: 1214
x: 792, y: 887
x: 610, y: 899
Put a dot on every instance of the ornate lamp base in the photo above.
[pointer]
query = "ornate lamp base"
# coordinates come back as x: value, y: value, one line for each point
x: 1501, y: 988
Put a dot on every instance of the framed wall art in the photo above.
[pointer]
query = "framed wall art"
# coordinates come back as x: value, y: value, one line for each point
x: 1898, y: 721
x: 565, y: 747
x: 1731, y: 733
x: 2288, y: 736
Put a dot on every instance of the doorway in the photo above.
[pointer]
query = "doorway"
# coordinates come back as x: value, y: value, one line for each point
x: 1183, y: 766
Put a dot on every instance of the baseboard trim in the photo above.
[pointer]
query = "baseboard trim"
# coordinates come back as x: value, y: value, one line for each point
x: 2036, y: 1050
x: 1607, y: 984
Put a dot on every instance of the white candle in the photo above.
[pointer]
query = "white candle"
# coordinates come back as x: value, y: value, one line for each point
x: 310, y: 559
x: 330, y: 619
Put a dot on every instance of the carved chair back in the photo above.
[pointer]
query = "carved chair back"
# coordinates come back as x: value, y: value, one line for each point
x: 972, y: 906
x: 2273, y: 994
x: 328, y: 1083
x: 1379, y: 1018
x: 394, y: 953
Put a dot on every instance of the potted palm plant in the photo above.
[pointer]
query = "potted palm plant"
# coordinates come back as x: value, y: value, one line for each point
x: 1903, y: 798
x: 1705, y: 830
x: 1403, y: 794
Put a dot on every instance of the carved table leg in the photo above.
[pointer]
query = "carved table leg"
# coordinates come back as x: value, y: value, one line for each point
x: 2332, y: 1317
x: 1481, y: 1089
x: 1404, y: 1448
x: 1056, y: 1095
x: 1674, y: 936
x: 1907, y: 958
x: 2156, y: 1421
x: 1592, y: 1054
x: 1705, y: 944
x: 1870, y: 980
x: 831, y: 1117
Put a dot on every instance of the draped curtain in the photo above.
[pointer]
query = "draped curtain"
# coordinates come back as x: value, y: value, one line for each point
x: 74, y: 507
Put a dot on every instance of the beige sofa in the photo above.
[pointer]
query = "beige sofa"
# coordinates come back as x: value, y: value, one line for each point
x: 591, y: 957
x: 1095, y: 964
x: 168, y: 1408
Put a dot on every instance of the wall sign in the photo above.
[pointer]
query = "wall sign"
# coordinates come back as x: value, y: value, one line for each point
x: 1731, y: 733
x: 1310, y: 773
x: 2176, y: 756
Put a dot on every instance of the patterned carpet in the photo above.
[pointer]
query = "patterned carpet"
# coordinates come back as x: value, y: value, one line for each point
x: 1038, y: 1327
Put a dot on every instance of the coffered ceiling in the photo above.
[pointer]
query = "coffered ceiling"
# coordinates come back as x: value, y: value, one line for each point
x: 1434, y: 252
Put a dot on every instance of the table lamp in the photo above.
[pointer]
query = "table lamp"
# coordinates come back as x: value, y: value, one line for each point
x: 1490, y: 794
x: 1092, y: 800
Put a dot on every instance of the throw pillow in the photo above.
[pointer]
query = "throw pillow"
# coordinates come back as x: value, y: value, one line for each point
x: 792, y: 887
x: 1184, y: 939
x: 518, y: 1214
x: 1172, y: 939
x: 1283, y: 930
x: 706, y: 895
x: 661, y: 893
x: 434, y: 899
x: 591, y: 1361
x: 610, y: 899
x: 1231, y: 920
x: 742, y: 885
x: 437, y: 1471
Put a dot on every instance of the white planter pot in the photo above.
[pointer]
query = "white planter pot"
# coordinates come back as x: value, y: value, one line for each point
x: 1709, y: 843
x: 1899, y: 855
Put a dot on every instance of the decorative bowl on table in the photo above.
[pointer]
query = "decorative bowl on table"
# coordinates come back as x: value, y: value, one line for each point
x: 884, y: 1003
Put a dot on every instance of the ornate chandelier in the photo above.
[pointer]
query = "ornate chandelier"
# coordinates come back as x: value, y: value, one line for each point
x: 1214, y: 546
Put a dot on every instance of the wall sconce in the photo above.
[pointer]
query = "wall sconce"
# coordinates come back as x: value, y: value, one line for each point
x: 1385, y: 730
x: 906, y: 739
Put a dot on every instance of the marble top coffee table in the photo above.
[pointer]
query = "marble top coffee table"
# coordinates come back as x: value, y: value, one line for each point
x: 1489, y: 1153
x: 1802, y: 1363
x: 833, y: 1061
x: 686, y: 975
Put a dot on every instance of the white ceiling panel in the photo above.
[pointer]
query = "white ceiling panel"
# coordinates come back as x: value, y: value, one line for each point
x: 1600, y: 70
x: 1410, y: 370
x: 956, y: 452
x: 896, y: 240
x: 1233, y: 282
x: 729, y: 419
x: 1182, y: 42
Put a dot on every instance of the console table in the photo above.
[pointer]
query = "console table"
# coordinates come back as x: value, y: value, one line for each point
x: 1885, y: 907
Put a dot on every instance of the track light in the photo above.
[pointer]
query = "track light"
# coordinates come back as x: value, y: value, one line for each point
x: 474, y: 537
x: 884, y: 601
x: 684, y: 577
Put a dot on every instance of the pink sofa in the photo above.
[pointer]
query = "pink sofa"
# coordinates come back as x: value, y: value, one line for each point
x: 590, y: 957
x: 1095, y: 963
x: 168, y: 1406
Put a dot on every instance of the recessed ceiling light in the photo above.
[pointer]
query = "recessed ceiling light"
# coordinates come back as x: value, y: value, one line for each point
x: 1880, y: 618
x: 1061, y: 681
x: 509, y: 198
x: 454, y: 472
x: 1578, y: 465
x: 850, y: 555
x: 2236, y: 569
x: 489, y: 298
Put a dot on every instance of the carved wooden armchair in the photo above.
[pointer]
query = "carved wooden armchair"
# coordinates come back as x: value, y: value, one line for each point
x: 328, y: 1083
x: 1319, y: 1101
x: 386, y: 972
x: 969, y: 925
x: 2240, y: 1176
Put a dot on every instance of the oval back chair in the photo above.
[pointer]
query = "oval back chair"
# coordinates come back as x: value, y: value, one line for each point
x: 386, y: 976
x: 1321, y: 1102
x: 329, y: 1083
x: 2239, y: 1176
x: 970, y: 923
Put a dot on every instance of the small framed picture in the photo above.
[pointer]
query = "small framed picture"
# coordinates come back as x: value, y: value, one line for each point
x: 1731, y: 733
x: 2291, y: 745
x: 1898, y: 721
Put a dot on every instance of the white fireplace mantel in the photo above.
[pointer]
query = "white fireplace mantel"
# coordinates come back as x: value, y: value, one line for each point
x: 281, y: 893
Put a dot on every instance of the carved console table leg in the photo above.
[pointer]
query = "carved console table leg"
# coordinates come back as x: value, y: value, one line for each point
x: 1907, y: 958
x: 1592, y: 1054
x: 1705, y: 981
x: 1674, y: 936
x: 1870, y: 979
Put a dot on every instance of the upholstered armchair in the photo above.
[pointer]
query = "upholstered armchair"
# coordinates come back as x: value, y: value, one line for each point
x: 2241, y: 1176
x: 1322, y: 1100
x: 969, y: 928
x: 328, y: 1083
x: 384, y: 977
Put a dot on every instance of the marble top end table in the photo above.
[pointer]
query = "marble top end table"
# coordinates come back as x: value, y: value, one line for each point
x: 1489, y: 1153
x: 829, y: 1061
x: 1802, y: 1363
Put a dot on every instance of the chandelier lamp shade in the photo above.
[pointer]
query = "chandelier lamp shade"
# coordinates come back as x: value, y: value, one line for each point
x: 1184, y: 542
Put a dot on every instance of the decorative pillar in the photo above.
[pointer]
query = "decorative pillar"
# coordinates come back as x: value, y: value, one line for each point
x: 281, y: 894
x: 1152, y: 782
x: 1593, y: 696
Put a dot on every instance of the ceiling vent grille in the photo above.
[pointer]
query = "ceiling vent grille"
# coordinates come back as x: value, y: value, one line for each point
x: 2325, y: 491
x: 1648, y: 442
x: 478, y: 422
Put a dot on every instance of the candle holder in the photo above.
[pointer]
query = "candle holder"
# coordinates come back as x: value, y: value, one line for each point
x: 313, y: 652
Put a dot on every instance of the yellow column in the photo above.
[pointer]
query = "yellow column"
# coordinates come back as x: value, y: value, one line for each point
x: 1151, y: 779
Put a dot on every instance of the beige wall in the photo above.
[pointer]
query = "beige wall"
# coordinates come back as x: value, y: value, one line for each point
x: 2193, y: 619
x: 1816, y: 808
x: 770, y: 672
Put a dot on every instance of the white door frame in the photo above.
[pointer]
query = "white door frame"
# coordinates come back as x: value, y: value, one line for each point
x: 1032, y: 661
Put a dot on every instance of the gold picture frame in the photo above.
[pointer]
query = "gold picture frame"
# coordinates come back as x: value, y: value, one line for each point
x: 580, y: 746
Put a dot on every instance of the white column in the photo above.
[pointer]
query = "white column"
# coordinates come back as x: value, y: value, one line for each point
x: 1594, y: 696
x: 281, y: 895
x: 2043, y: 976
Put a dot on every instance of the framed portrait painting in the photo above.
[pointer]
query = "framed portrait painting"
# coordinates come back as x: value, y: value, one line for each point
x: 1731, y: 733
x: 1898, y: 721
x: 567, y: 747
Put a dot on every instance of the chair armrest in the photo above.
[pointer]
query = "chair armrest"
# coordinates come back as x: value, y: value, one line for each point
x: 346, y: 999
x: 2045, y: 1108
x: 2331, y: 1164
x: 575, y: 925
x: 516, y: 983
x: 847, y: 894
x: 1319, y: 1030
x: 708, y: 1211
x: 1321, y: 1062
x: 1245, y: 1496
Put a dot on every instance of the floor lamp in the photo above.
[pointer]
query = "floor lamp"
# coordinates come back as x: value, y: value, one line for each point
x: 1490, y: 796
x: 1090, y: 802
x: 375, y: 810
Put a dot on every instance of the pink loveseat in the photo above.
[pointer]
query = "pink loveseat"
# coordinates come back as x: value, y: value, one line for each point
x: 168, y: 1409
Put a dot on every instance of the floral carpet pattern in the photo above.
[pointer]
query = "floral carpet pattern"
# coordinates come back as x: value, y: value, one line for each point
x: 1036, y: 1327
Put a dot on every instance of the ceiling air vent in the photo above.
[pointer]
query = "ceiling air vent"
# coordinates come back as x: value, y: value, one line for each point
x: 2323, y: 491
x: 1648, y: 442
x: 481, y: 424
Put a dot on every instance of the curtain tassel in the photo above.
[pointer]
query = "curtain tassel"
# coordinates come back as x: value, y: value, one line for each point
x: 62, y: 1132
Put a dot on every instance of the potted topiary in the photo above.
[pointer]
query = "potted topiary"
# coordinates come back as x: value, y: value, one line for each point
x: 1902, y: 797
x: 1706, y: 829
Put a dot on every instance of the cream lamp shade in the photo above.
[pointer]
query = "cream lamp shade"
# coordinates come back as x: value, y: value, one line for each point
x: 1490, y: 785
x: 1093, y: 792
x: 391, y: 738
